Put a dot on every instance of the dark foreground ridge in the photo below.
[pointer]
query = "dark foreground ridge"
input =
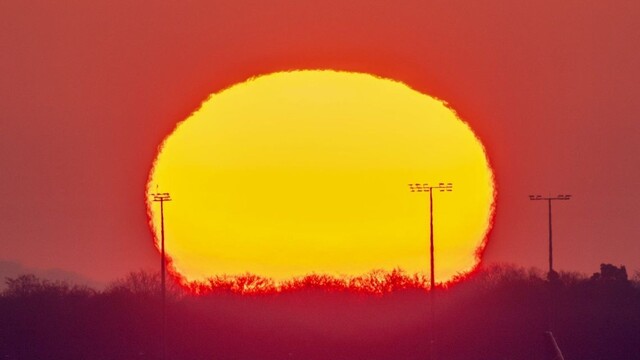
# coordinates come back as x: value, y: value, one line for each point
x: 501, y: 312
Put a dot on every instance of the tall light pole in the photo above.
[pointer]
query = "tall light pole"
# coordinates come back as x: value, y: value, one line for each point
x: 549, y: 200
x: 419, y: 188
x: 161, y: 198
x: 551, y: 276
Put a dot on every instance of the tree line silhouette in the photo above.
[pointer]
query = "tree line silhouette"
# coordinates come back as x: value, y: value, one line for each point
x: 498, y: 312
x: 374, y: 282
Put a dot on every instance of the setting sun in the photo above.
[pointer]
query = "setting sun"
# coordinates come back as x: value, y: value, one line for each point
x: 304, y: 172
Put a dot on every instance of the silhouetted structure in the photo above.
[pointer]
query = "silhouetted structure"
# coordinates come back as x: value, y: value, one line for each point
x: 611, y: 273
x: 161, y: 198
x: 427, y: 188
x: 552, y: 275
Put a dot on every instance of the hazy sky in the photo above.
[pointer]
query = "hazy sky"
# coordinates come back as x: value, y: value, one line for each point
x: 89, y: 89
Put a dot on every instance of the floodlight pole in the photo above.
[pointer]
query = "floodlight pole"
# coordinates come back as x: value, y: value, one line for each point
x: 432, y: 260
x: 549, y: 200
x: 161, y: 198
x: 432, y: 284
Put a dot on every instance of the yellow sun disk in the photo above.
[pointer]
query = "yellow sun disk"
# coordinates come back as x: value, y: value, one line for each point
x: 307, y: 171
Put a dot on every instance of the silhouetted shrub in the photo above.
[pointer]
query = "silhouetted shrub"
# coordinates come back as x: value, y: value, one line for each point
x: 144, y: 285
x: 611, y: 273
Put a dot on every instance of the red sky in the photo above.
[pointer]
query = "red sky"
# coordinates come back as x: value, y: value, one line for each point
x: 90, y: 88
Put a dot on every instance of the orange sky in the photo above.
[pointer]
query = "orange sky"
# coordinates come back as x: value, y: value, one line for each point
x: 90, y: 89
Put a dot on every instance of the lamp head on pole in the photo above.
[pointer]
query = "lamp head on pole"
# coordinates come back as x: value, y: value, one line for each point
x: 424, y: 187
x: 161, y: 196
x: 419, y: 187
x: 559, y: 197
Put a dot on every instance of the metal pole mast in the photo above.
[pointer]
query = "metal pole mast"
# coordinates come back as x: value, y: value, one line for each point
x: 431, y: 251
x: 432, y: 284
x: 551, y: 276
x: 161, y: 198
x: 432, y: 287
x: 550, y: 240
x: 549, y: 200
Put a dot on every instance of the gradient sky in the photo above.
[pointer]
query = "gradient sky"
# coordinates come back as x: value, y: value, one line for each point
x: 90, y: 88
